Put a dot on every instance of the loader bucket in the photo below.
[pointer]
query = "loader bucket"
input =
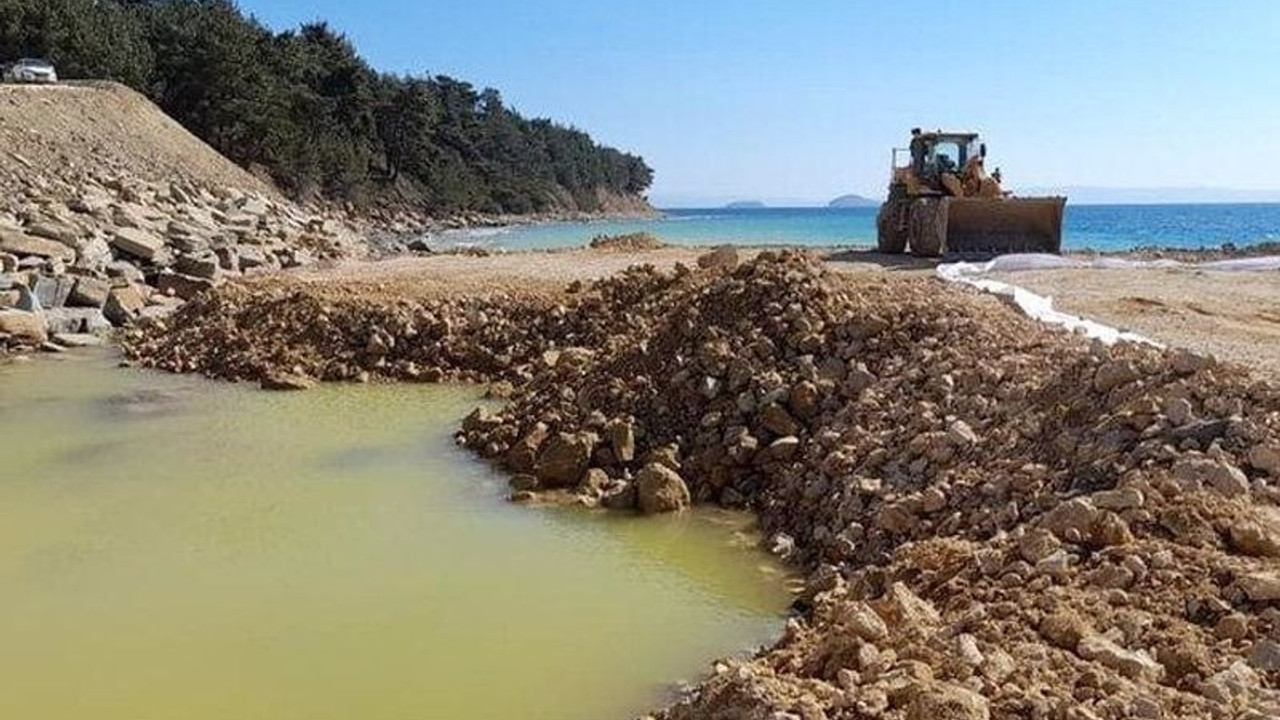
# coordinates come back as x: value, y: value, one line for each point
x: 1005, y: 225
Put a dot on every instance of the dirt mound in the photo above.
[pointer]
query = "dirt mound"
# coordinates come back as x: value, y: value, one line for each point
x: 1000, y: 520
x: 106, y: 128
x: 110, y: 211
x: 631, y: 242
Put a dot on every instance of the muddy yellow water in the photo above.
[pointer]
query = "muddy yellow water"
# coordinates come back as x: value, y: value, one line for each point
x: 172, y: 548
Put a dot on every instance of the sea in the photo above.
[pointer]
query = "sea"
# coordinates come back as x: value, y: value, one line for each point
x: 1103, y: 228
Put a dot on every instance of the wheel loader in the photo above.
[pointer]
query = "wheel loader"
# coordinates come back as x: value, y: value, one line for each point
x: 943, y: 200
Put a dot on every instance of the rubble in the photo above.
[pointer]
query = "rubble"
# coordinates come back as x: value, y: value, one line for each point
x: 998, y: 519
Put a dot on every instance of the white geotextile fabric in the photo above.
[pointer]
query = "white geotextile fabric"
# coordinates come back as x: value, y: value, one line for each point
x: 1040, y: 307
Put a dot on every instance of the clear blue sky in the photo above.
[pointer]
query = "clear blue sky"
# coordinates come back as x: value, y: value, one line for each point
x: 802, y: 100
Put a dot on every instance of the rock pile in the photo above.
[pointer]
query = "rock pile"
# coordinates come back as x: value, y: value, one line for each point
x: 630, y: 242
x: 262, y: 330
x: 80, y: 255
x: 999, y: 520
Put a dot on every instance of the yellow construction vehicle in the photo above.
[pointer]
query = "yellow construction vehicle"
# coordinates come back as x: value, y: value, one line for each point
x: 942, y: 200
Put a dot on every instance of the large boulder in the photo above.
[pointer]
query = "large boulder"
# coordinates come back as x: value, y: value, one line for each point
x: 26, y: 326
x: 23, y: 245
x: 204, y: 265
x: 89, y: 292
x: 75, y: 321
x: 92, y: 253
x: 659, y: 489
x: 622, y: 440
x: 564, y: 459
x: 55, y: 230
x: 123, y: 304
x: 137, y: 243
x: 53, y: 290
x: 522, y: 457
x: 183, y: 286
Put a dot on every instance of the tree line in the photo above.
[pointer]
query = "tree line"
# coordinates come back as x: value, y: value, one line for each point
x: 303, y: 106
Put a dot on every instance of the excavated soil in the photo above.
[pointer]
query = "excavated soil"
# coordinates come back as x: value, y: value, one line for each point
x: 106, y: 127
x: 998, y: 519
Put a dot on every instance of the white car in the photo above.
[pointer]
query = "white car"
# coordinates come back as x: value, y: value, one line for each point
x: 30, y: 70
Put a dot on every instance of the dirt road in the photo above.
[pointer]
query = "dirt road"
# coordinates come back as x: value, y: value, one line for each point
x: 1233, y: 315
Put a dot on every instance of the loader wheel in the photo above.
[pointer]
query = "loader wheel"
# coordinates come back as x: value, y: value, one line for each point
x: 929, y: 227
x: 890, y: 236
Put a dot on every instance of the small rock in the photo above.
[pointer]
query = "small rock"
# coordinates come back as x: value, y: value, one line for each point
x: 961, y: 435
x: 1260, y: 586
x: 1233, y: 626
x: 1072, y: 520
x: 784, y: 448
x: 287, y: 382
x: 595, y: 481
x: 1185, y: 362
x: 804, y: 399
x: 620, y: 495
x: 523, y: 482
x: 1179, y: 411
x: 939, y: 700
x: 1037, y: 544
x: 904, y: 611
x: 778, y: 421
x: 1266, y: 458
x: 862, y: 621
x: 1265, y: 655
x: 481, y: 420
x: 967, y: 649
x: 1258, y: 536
x: 1223, y: 477
x: 1064, y: 629
x: 1118, y: 500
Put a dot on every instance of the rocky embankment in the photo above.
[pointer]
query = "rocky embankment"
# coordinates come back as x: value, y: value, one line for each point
x: 111, y: 212
x: 999, y: 520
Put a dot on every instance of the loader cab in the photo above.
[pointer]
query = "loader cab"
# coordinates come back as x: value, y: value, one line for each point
x: 935, y: 153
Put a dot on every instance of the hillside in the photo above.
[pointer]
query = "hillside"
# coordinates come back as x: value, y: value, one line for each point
x: 111, y: 211
x: 94, y: 128
x: 304, y: 108
x: 853, y: 201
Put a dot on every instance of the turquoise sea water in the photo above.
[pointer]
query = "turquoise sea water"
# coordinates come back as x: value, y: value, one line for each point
x: 1097, y: 227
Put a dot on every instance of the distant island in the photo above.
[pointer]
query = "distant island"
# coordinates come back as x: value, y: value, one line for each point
x: 745, y: 205
x: 853, y: 201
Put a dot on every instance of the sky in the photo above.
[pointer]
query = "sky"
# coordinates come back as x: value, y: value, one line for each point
x: 798, y: 102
